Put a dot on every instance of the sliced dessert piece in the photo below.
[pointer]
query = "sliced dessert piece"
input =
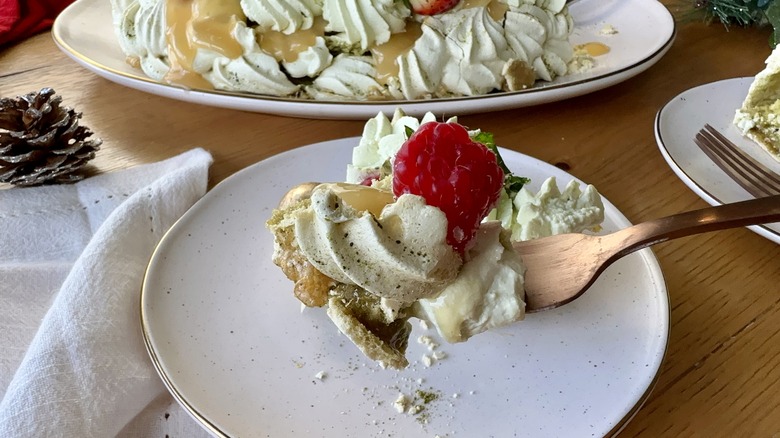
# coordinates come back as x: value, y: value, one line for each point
x: 759, y: 116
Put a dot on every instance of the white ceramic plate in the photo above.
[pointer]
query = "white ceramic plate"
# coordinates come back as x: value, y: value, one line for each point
x: 680, y: 119
x: 234, y: 347
x: 645, y: 32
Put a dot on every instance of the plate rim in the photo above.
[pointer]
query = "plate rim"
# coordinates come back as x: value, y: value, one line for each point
x: 354, y: 109
x: 679, y: 170
x: 649, y: 258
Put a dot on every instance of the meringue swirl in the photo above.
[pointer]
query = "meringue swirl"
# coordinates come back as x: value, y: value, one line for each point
x: 254, y: 72
x: 311, y: 61
x: 348, y: 77
x: 363, y: 23
x: 352, y: 49
x: 141, y: 32
x: 401, y: 254
x: 286, y: 16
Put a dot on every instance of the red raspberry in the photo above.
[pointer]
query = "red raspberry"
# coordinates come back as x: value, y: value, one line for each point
x: 442, y: 164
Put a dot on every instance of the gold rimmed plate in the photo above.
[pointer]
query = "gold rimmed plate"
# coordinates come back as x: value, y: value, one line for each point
x: 645, y: 31
x: 234, y: 347
x: 676, y: 125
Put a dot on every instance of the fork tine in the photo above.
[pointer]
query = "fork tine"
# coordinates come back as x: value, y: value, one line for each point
x: 771, y: 176
x: 753, y: 176
x: 747, y: 179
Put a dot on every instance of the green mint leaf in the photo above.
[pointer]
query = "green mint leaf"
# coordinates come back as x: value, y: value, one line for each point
x: 512, y: 183
x: 486, y: 138
x: 409, y: 131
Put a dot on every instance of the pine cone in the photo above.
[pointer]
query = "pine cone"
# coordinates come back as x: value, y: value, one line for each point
x: 42, y: 142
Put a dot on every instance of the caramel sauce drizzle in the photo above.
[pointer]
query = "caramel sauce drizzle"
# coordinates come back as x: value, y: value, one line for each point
x: 593, y: 48
x: 199, y: 24
x: 386, y: 54
x: 285, y: 47
x: 495, y: 8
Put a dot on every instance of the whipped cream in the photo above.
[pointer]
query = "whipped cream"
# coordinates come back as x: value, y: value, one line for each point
x: 539, y: 34
x: 380, y: 141
x: 469, y: 52
x: 400, y: 253
x: 140, y: 29
x: 476, y: 52
x: 311, y: 62
x: 284, y: 16
x: 488, y: 293
x: 478, y: 47
x: 348, y: 77
x: 360, y: 24
x: 255, y: 71
x: 551, y: 211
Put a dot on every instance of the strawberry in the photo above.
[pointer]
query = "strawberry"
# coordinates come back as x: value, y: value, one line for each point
x: 461, y: 177
x: 432, y: 7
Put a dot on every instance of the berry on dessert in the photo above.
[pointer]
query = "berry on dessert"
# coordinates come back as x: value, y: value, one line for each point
x: 432, y: 7
x: 441, y: 163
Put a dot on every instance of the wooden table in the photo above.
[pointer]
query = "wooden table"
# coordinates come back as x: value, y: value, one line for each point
x: 721, y: 375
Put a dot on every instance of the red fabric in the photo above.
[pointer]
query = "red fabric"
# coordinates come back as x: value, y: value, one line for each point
x: 20, y: 19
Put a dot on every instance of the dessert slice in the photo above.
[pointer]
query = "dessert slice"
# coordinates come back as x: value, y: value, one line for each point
x: 423, y: 231
x: 759, y: 116
x: 373, y: 254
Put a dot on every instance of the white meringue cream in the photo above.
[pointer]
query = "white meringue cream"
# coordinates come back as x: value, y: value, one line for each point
x: 420, y: 70
x: 311, y: 61
x: 476, y: 48
x: 540, y: 36
x: 401, y: 254
x: 254, y: 72
x: 347, y: 77
x: 380, y: 141
x: 359, y: 24
x: 286, y: 16
x: 487, y: 294
x: 140, y: 30
x: 551, y: 211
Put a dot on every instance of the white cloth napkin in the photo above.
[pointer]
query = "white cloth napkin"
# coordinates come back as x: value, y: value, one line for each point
x: 72, y: 260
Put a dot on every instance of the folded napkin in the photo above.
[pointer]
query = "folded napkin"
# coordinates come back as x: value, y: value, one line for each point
x: 72, y: 356
x: 20, y: 19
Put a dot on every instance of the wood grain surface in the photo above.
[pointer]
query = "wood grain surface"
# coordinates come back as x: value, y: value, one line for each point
x: 721, y: 375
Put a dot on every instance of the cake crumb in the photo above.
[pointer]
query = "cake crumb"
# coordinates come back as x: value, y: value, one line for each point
x: 608, y: 29
x: 401, y: 404
x: 581, y: 62
x: 428, y: 342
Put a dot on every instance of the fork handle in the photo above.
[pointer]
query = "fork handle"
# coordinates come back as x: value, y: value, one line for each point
x: 738, y: 214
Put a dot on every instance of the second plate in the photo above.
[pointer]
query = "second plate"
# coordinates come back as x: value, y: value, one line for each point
x: 230, y: 341
x: 645, y: 32
x: 681, y: 118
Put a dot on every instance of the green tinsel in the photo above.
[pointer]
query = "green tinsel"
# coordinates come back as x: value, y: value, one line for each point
x: 743, y: 13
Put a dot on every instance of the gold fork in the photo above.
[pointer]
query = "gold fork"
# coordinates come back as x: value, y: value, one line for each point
x: 561, y: 268
x: 753, y: 176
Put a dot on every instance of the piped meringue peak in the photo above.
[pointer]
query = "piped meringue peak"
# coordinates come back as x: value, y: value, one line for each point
x: 348, y: 49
